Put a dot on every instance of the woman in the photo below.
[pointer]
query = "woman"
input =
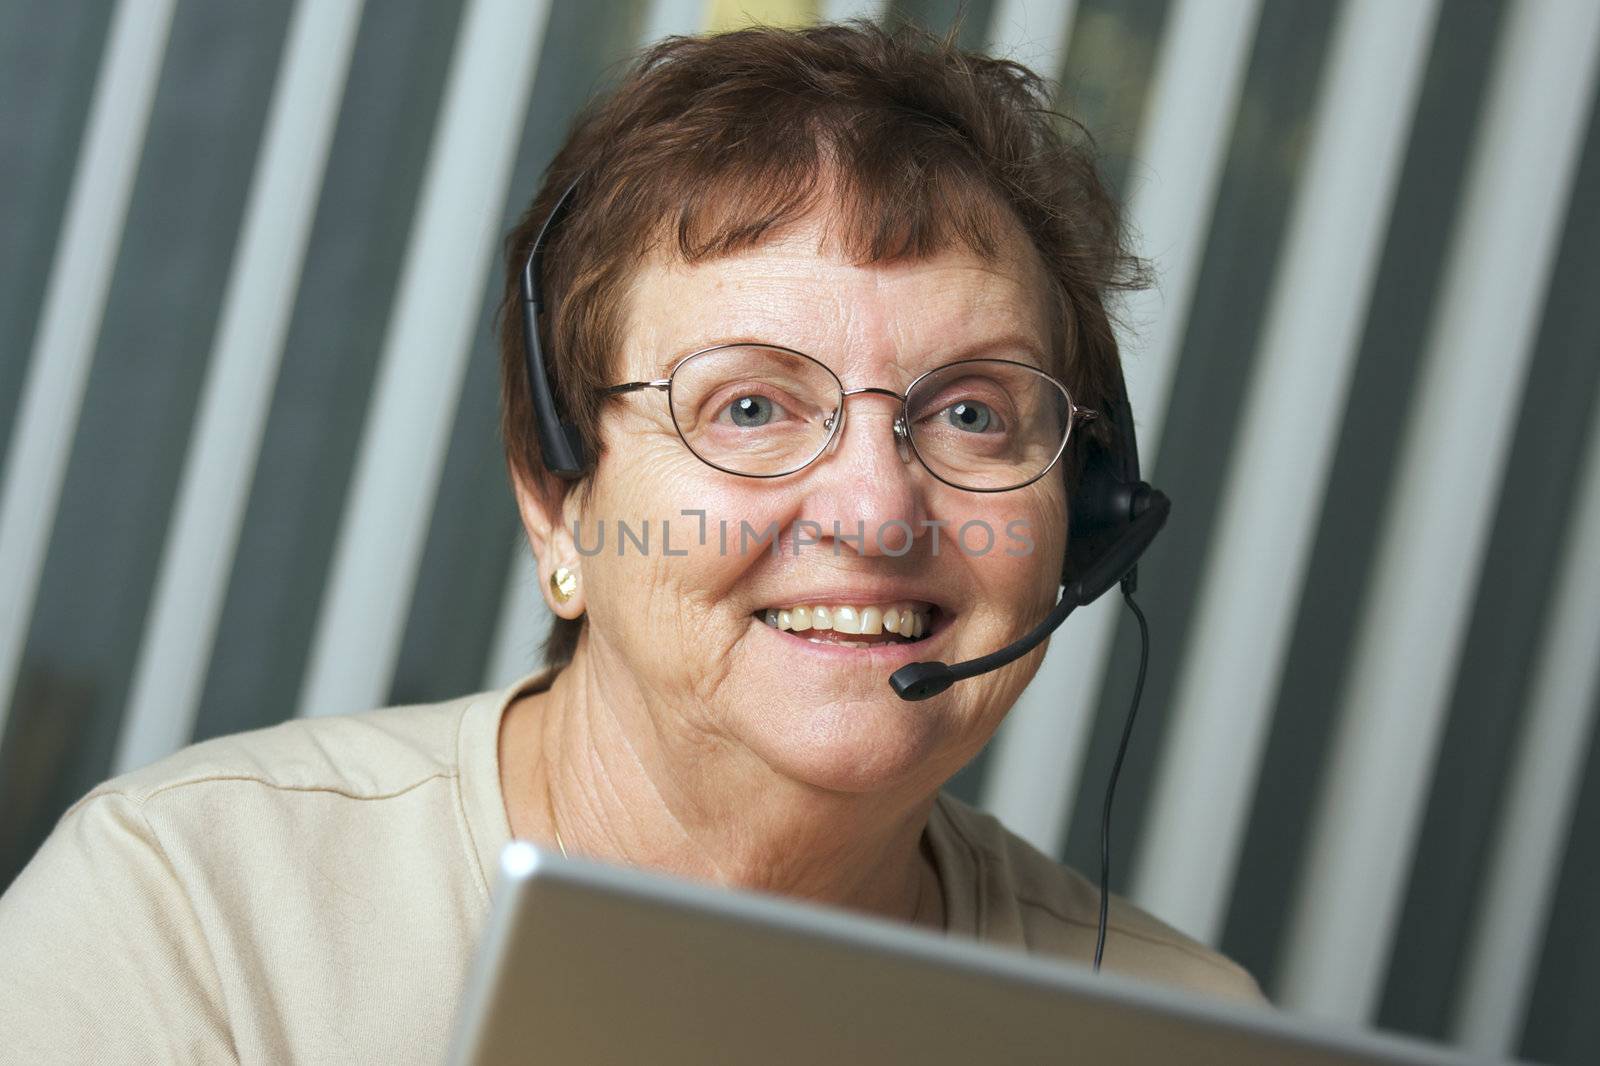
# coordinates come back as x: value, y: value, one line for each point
x: 826, y: 316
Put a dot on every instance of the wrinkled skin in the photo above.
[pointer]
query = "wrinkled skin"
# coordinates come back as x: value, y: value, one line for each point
x: 687, y: 735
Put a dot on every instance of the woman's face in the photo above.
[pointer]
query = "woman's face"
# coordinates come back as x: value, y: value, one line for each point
x: 692, y: 627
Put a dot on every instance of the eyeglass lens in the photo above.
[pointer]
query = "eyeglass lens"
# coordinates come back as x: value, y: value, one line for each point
x: 982, y: 424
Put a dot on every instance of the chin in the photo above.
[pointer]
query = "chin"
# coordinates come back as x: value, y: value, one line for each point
x: 856, y: 745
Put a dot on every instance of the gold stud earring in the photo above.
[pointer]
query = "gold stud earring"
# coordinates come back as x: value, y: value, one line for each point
x: 563, y: 583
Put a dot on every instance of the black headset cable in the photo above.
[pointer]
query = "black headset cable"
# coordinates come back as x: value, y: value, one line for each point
x: 1116, y: 771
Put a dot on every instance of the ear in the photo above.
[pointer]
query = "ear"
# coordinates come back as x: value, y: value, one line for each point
x: 543, y: 504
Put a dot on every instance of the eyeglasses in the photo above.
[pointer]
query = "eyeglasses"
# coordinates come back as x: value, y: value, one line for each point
x: 758, y: 410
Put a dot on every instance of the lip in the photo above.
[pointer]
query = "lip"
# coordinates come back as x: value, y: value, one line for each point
x: 887, y: 657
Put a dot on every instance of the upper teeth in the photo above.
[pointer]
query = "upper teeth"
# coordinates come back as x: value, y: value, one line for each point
x: 906, y: 619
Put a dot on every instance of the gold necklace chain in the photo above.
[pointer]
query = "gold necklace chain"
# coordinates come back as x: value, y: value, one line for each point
x: 550, y: 798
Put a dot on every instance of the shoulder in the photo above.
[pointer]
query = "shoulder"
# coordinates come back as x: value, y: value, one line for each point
x: 1058, y: 910
x: 313, y: 858
x: 222, y: 820
x: 369, y: 755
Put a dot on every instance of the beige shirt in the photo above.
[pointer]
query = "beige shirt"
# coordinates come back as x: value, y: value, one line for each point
x: 313, y: 892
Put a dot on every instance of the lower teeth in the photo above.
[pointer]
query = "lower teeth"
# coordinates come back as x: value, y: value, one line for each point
x: 856, y: 643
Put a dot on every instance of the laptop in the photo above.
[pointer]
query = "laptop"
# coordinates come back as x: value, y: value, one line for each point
x: 587, y: 963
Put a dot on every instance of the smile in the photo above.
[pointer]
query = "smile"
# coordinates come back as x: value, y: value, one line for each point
x: 851, y: 625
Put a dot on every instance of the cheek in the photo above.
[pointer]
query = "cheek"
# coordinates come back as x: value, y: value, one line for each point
x: 1022, y: 567
x: 701, y: 530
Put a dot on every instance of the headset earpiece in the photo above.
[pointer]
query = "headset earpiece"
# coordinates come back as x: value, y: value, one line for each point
x: 559, y: 441
x: 1112, y: 515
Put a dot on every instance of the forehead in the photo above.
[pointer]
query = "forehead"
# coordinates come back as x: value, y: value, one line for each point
x: 800, y: 290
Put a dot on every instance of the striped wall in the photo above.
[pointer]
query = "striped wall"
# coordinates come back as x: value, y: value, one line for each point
x: 250, y: 470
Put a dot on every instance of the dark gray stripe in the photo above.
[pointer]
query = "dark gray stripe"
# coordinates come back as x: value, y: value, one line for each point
x: 939, y: 15
x: 375, y: 169
x: 149, y: 363
x: 49, y: 59
x: 1213, y: 369
x: 1562, y: 1024
x: 1359, y: 483
x: 1111, y: 54
x: 1492, y: 686
x: 462, y: 578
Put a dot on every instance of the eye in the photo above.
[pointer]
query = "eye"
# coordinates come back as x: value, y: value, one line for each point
x: 752, y: 411
x: 971, y: 416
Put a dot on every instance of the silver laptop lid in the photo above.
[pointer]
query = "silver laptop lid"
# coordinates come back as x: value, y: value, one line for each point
x: 587, y: 963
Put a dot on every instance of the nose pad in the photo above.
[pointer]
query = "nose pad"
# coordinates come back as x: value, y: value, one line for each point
x: 902, y: 434
x: 902, y: 438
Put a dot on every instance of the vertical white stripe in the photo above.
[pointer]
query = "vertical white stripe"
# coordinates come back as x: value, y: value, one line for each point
x: 1232, y: 664
x: 74, y: 305
x: 674, y: 18
x: 425, y: 355
x: 1431, y: 546
x: 242, y: 371
x: 524, y: 619
x: 1033, y: 33
x: 1546, y: 773
x: 839, y: 10
x: 524, y: 623
x: 1193, y: 98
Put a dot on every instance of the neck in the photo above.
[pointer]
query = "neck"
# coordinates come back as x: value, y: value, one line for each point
x: 639, y: 785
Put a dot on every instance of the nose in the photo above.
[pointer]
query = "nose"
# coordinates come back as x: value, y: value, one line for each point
x: 869, y: 482
x: 902, y: 435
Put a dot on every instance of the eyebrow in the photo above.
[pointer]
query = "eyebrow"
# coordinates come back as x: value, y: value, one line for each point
x: 1009, y: 345
x: 664, y: 367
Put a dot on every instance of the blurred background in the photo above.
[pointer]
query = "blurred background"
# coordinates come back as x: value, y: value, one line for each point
x: 251, y: 470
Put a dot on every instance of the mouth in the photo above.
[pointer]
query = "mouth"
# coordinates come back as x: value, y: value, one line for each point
x: 854, y: 625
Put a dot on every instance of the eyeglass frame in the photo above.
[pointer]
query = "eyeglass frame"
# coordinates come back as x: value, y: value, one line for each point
x: 902, y: 429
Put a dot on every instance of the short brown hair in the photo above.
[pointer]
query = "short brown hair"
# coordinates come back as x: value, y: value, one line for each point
x: 709, y: 145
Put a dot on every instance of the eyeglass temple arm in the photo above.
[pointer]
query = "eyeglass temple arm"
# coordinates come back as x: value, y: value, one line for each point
x: 634, y: 386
